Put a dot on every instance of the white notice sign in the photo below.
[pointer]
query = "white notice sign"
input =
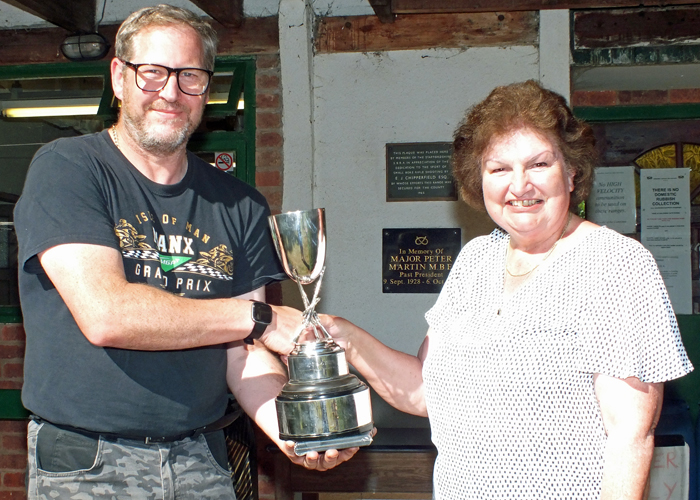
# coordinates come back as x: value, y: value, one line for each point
x: 665, y: 200
x: 612, y: 200
x: 669, y: 474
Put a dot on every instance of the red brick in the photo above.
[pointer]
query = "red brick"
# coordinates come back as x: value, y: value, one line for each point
x: 17, y: 426
x: 643, y: 97
x: 15, y: 443
x: 273, y: 197
x: 267, y: 61
x: 13, y: 495
x: 13, y: 331
x: 594, y: 98
x: 268, y: 158
x: 16, y: 461
x: 267, y: 82
x: 10, y: 384
x: 678, y: 96
x: 267, y: 101
x: 269, y: 178
x: 268, y: 120
x: 11, y: 351
x: 13, y: 479
x: 267, y: 139
x: 13, y: 370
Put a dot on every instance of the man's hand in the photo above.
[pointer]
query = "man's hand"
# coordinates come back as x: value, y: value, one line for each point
x: 286, y: 324
x: 319, y: 461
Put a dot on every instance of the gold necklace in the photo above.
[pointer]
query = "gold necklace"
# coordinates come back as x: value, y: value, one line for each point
x: 568, y: 220
x: 113, y: 133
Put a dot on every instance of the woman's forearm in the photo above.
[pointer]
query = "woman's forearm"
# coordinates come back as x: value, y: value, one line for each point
x: 394, y: 375
x: 627, y: 464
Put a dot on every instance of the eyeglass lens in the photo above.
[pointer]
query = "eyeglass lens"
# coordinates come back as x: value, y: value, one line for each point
x: 152, y: 78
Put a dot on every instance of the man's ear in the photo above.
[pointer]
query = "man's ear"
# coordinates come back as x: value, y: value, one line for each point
x: 116, y: 73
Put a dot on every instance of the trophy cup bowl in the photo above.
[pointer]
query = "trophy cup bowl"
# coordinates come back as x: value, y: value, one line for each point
x: 323, y: 405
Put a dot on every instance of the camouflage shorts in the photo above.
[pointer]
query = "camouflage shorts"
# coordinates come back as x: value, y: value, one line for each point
x: 68, y: 465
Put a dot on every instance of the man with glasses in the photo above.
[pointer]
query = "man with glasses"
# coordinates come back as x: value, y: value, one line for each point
x: 143, y: 271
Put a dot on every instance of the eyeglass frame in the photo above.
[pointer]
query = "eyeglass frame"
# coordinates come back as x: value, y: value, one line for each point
x: 170, y: 71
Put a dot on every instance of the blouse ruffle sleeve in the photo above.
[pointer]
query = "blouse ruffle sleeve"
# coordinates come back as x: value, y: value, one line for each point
x: 628, y: 327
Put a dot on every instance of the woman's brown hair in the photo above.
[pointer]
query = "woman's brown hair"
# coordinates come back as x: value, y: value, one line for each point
x: 512, y: 107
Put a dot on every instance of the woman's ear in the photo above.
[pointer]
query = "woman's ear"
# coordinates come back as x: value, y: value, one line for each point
x: 570, y: 179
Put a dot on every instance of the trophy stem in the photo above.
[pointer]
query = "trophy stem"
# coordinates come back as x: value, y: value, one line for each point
x: 310, y: 318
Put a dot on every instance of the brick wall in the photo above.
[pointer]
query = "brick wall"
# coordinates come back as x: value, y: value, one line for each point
x: 13, y: 433
x: 268, y: 180
x: 634, y: 97
x: 268, y: 141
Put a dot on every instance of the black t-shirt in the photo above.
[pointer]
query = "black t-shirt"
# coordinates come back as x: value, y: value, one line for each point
x: 204, y: 237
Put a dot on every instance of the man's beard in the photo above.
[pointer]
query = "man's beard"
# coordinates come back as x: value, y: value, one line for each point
x: 149, y: 140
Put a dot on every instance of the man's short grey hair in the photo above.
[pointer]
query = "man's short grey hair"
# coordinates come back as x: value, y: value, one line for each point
x: 165, y: 15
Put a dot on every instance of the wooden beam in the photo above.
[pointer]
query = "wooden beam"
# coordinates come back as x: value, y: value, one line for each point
x: 73, y: 16
x: 257, y: 35
x: 228, y: 13
x: 453, y: 6
x: 636, y: 27
x: 368, y: 34
x: 41, y: 45
x: 382, y: 8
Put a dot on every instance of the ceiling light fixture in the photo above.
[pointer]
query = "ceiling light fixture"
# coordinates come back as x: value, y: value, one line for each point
x: 54, y: 111
x: 50, y: 107
x: 84, y: 47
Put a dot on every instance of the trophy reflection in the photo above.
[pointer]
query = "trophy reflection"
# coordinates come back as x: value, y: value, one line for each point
x: 323, y: 406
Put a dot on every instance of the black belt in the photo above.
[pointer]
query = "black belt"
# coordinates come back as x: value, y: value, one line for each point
x: 217, y: 425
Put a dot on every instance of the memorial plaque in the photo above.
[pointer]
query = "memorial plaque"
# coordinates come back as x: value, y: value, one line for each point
x: 419, y: 171
x: 418, y: 260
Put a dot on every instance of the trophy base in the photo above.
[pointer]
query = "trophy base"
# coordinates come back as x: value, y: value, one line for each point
x: 340, y: 443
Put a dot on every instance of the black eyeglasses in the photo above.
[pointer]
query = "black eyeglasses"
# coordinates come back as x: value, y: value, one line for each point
x: 154, y: 78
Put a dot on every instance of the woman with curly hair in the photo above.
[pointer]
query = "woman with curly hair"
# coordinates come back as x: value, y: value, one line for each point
x: 543, y: 367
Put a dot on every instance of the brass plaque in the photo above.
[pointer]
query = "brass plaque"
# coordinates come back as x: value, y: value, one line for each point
x: 418, y: 260
x: 419, y: 171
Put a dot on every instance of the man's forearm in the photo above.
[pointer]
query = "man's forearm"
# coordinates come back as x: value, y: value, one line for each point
x: 156, y: 320
x: 111, y: 312
x: 255, y: 376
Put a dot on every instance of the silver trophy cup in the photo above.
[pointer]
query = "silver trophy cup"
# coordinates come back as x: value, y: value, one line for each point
x: 323, y: 405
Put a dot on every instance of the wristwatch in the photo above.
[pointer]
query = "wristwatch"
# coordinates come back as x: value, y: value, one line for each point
x: 262, y: 316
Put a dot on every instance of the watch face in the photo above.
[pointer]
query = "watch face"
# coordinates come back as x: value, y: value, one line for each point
x: 262, y: 313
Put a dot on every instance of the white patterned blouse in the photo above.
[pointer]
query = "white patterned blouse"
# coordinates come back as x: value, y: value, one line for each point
x: 509, y: 384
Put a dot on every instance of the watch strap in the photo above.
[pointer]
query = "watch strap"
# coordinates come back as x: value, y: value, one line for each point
x: 258, y: 326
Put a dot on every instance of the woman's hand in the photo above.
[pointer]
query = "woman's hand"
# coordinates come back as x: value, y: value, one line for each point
x: 339, y: 328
